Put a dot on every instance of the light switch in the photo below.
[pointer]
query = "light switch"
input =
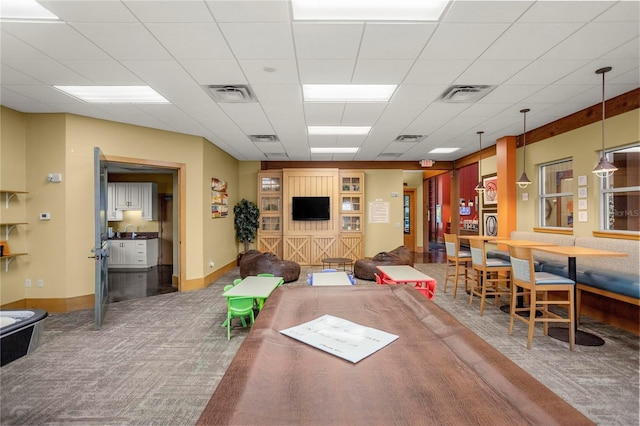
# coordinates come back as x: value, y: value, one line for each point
x: 45, y: 216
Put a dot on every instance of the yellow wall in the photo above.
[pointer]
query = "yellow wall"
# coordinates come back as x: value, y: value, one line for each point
x: 219, y: 234
x: 33, y: 145
x: 584, y: 146
x: 379, y: 184
x: 13, y: 177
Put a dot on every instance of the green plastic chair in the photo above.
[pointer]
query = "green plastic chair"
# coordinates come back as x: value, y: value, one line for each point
x: 266, y: 275
x: 239, y: 307
x: 236, y: 281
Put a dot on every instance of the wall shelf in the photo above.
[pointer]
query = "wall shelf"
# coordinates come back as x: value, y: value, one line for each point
x: 9, y: 195
x: 9, y: 258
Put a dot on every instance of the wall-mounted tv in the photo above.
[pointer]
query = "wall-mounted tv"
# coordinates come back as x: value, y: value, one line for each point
x: 310, y: 208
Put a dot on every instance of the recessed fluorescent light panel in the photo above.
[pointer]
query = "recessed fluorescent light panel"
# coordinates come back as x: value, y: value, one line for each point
x: 369, y: 10
x: 348, y: 92
x: 339, y: 130
x: 443, y: 150
x: 114, y: 94
x: 25, y: 10
x: 334, y: 150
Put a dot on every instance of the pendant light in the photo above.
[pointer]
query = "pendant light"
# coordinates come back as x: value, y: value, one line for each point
x: 604, y: 169
x: 524, y: 181
x: 480, y: 187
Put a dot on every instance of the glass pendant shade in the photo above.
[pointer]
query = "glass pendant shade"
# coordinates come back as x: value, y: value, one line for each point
x: 480, y: 186
x: 604, y: 169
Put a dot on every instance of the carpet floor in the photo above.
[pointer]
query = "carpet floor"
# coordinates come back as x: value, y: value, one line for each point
x: 158, y: 360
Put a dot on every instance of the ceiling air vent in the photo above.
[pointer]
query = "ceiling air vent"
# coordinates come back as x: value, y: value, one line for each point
x: 410, y: 138
x: 231, y: 93
x: 465, y: 93
x: 263, y: 138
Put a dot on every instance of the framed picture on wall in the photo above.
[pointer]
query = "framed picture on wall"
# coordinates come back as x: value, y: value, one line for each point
x: 490, y: 194
x: 490, y: 223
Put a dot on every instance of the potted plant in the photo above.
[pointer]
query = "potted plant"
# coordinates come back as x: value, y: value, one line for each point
x: 246, y: 222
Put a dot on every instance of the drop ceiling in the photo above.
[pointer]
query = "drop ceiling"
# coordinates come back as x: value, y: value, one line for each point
x: 540, y: 55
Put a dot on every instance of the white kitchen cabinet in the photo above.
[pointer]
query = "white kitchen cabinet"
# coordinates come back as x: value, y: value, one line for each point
x: 113, y: 214
x: 133, y: 253
x: 149, y: 195
x: 128, y: 196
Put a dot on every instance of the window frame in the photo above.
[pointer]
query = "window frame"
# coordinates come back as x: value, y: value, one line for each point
x: 543, y: 197
x: 603, y: 191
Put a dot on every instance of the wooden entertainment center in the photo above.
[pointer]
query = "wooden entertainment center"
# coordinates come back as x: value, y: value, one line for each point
x: 308, y: 242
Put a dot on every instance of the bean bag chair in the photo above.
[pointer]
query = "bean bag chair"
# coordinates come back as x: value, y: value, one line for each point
x: 366, y: 268
x: 255, y: 262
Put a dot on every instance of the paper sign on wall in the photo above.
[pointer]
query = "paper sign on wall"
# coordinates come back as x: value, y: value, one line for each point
x: 379, y: 212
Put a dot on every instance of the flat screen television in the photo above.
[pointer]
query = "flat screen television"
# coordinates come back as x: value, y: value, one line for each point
x: 310, y: 208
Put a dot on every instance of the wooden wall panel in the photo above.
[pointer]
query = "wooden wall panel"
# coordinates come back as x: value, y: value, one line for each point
x: 310, y: 183
x: 323, y: 247
x: 298, y: 249
x: 351, y: 246
x: 270, y: 243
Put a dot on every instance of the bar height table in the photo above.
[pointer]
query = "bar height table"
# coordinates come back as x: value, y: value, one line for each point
x: 571, y: 252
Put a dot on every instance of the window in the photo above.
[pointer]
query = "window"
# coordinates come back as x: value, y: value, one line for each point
x: 556, y: 194
x: 620, y: 193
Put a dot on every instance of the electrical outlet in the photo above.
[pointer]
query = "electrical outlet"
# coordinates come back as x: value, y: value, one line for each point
x: 211, y: 264
x: 40, y: 283
x: 27, y: 282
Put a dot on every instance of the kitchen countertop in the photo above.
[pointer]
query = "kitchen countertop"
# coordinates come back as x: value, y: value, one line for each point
x: 139, y: 236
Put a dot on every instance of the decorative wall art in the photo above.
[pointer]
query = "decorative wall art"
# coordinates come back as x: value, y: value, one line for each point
x: 219, y: 198
x: 490, y: 194
x: 490, y: 221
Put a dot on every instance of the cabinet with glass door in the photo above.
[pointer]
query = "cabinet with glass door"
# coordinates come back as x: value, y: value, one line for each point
x: 270, y: 202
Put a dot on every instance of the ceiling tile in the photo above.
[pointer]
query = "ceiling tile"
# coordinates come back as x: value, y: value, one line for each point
x: 89, y: 11
x: 323, y: 113
x: 490, y: 72
x: 452, y: 41
x: 104, y: 72
x: 379, y: 71
x: 192, y: 41
x: 159, y: 72
x: 545, y: 72
x: 564, y: 11
x: 592, y: 40
x: 528, y: 41
x: 485, y: 11
x: 259, y: 40
x: 434, y: 72
x: 395, y: 41
x: 270, y: 71
x: 288, y: 94
x: 362, y: 114
x: 124, y: 41
x: 327, y: 41
x: 57, y: 40
x: 250, y: 11
x: 169, y: 11
x: 250, y: 118
x: 331, y: 71
x: 48, y: 72
x: 215, y: 72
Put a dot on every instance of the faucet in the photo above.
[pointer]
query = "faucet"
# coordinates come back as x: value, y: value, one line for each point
x: 133, y: 234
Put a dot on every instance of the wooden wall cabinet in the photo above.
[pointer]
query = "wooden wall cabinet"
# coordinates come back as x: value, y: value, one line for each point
x: 270, y: 205
x: 308, y: 242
